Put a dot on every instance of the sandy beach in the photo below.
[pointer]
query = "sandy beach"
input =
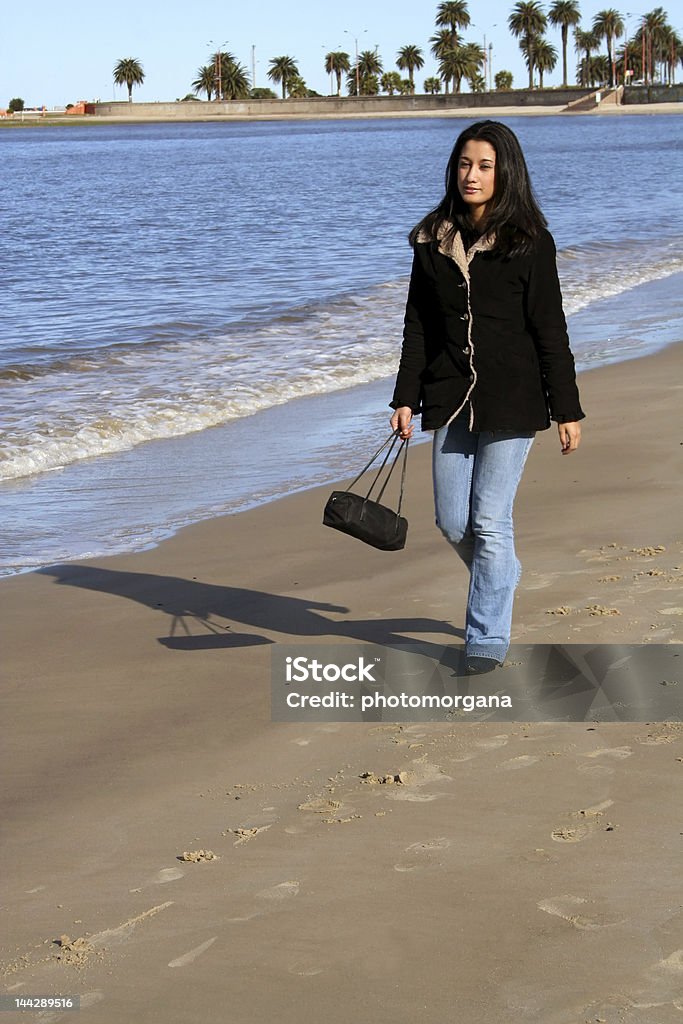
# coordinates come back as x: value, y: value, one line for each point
x: 172, y: 855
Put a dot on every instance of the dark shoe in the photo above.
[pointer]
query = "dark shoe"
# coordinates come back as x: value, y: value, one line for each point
x: 479, y: 666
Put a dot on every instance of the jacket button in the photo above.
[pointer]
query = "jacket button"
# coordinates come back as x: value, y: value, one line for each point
x: 462, y: 284
x: 465, y: 316
x: 466, y: 350
x: 471, y: 377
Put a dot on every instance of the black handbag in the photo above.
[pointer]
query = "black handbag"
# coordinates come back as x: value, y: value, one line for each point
x: 367, y: 519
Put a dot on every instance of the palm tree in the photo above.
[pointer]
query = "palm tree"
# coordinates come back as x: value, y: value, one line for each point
x: 432, y: 85
x: 476, y: 53
x: 410, y: 59
x: 456, y: 65
x: 545, y: 57
x: 283, y: 70
x: 607, y: 25
x: 673, y: 53
x: 585, y: 42
x: 205, y: 81
x: 629, y: 56
x: 453, y: 15
x: 564, y: 13
x: 222, y: 62
x: 369, y: 84
x: 442, y: 42
x: 596, y: 70
x: 297, y: 87
x: 337, y: 62
x: 655, y: 26
x: 366, y: 75
x: 369, y: 63
x: 129, y: 72
x: 526, y: 21
x: 390, y: 82
x: 235, y: 81
x: 528, y: 46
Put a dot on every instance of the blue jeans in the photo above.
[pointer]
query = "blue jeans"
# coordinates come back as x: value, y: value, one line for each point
x: 475, y: 481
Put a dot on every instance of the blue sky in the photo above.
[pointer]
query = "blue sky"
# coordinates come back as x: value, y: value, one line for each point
x: 54, y: 53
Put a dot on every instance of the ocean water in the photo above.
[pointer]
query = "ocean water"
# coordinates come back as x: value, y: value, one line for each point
x: 199, y: 318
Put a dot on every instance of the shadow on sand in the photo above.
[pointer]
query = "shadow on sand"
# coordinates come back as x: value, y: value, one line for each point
x: 202, y: 615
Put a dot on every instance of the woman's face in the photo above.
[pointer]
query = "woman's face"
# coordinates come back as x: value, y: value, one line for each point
x: 477, y: 176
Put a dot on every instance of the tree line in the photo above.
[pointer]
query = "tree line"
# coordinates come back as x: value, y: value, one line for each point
x: 650, y: 51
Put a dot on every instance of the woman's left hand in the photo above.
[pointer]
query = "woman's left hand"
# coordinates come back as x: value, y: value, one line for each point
x: 570, y: 436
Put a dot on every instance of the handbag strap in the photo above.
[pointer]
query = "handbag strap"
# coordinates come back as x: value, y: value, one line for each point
x: 390, y: 440
x: 403, y: 447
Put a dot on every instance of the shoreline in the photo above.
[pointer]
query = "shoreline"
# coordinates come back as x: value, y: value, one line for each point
x: 471, y: 113
x: 146, y: 461
x: 138, y: 733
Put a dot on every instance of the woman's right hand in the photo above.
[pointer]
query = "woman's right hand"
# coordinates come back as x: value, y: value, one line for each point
x: 400, y: 422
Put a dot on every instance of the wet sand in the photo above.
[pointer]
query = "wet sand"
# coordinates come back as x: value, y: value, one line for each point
x: 169, y: 854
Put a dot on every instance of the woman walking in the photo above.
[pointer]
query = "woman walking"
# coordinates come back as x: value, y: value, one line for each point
x: 487, y: 363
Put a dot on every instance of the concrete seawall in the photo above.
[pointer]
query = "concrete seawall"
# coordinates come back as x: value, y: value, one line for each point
x: 329, y: 106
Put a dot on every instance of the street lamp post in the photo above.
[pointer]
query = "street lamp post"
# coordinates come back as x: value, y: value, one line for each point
x: 355, y: 39
x: 219, y: 92
x: 488, y: 55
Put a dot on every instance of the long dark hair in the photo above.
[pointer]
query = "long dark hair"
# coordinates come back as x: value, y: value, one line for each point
x: 514, y: 216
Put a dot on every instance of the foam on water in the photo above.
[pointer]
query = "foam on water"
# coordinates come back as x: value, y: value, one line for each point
x: 112, y: 400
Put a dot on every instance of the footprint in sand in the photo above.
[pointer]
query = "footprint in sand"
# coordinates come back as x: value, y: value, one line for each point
x: 422, y: 853
x: 420, y: 774
x: 617, y: 753
x: 120, y: 934
x: 191, y: 956
x: 595, y: 811
x: 274, y: 894
x: 656, y: 739
x: 415, y: 798
x: 577, y: 911
x: 168, y: 875
x: 523, y: 761
x: 90, y: 998
x: 674, y: 962
x: 590, y: 820
x: 537, y: 581
x: 320, y: 805
x: 87, y: 1000
x: 494, y: 742
x: 305, y: 969
x: 539, y: 856
x: 595, y: 769
x: 282, y: 891
x: 569, y: 835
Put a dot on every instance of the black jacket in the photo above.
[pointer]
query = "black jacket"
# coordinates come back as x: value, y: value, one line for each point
x: 489, y: 331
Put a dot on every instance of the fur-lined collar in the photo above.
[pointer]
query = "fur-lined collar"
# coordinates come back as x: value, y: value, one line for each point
x: 454, y: 248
